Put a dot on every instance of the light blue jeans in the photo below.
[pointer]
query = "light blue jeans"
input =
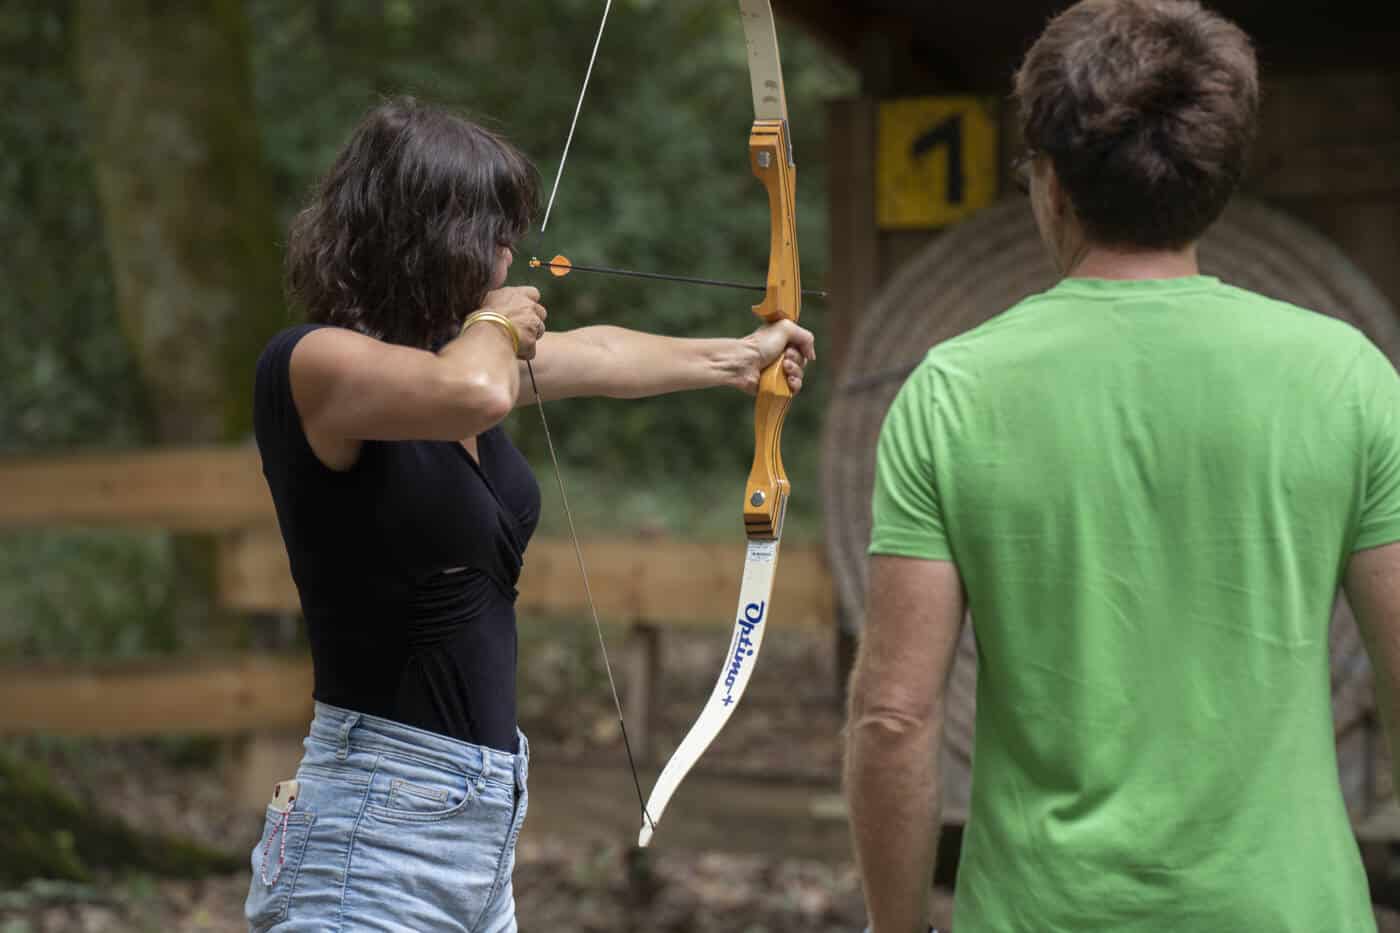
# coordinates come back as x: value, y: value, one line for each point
x: 393, y: 829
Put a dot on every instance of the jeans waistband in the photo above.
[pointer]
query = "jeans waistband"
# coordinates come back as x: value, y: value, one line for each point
x: 345, y: 730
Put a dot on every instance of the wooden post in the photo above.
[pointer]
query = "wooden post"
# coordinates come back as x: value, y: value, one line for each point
x: 853, y: 252
x: 1329, y: 153
x: 853, y: 271
x: 258, y: 761
x: 643, y: 674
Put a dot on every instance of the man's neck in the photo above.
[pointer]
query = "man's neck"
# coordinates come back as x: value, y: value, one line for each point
x: 1102, y: 262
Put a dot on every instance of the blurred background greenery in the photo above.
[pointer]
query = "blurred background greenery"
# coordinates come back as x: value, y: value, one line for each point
x: 657, y: 179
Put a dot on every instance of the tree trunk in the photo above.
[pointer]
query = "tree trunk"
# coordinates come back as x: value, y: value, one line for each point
x: 189, y: 223
x: 187, y: 202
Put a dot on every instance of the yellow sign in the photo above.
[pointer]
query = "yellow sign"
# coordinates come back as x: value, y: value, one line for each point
x: 936, y: 160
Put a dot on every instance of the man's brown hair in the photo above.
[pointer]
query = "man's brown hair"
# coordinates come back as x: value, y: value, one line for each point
x: 1147, y: 110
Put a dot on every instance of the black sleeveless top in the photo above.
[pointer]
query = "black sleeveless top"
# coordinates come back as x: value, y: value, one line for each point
x: 406, y: 565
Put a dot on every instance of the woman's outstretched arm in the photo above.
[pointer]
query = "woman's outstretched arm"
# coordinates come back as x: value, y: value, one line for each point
x: 618, y: 363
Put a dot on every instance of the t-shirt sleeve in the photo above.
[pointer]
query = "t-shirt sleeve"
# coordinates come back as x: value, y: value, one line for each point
x: 906, y: 512
x: 1379, y: 398
x: 276, y: 423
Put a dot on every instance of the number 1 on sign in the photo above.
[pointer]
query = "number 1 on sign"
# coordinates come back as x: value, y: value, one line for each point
x: 936, y: 160
x: 946, y: 135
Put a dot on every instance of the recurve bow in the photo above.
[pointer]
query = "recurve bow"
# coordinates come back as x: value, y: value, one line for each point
x: 766, y: 493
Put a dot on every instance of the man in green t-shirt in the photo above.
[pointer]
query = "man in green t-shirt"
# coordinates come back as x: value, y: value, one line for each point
x: 1147, y: 486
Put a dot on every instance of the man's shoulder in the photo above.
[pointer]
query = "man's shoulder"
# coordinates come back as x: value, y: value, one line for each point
x: 1292, y: 320
x: 1000, y: 334
x: 1031, y: 323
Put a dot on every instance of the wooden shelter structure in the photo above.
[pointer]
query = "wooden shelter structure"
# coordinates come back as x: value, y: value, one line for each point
x: 926, y: 242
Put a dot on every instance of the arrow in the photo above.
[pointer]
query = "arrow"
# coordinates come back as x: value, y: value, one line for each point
x: 561, y: 266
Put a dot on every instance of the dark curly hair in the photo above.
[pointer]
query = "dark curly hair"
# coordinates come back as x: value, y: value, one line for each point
x: 401, y: 237
x: 1147, y: 110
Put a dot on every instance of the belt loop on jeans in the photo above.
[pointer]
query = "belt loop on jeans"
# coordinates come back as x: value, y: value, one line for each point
x: 351, y: 722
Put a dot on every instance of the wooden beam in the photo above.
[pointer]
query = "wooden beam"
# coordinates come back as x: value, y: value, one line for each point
x: 642, y: 680
x: 1331, y: 170
x: 221, y: 490
x: 666, y: 581
x: 633, y: 579
x: 838, y: 29
x: 253, y: 573
x: 196, y: 489
x: 853, y: 264
x: 853, y: 253
x: 166, y: 697
x: 1311, y: 146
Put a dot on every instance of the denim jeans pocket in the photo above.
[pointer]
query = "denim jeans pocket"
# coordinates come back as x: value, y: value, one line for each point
x: 276, y: 859
x: 409, y: 792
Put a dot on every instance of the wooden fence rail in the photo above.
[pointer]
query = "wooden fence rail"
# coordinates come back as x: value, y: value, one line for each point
x: 220, y: 491
x: 636, y: 578
x: 157, y: 697
x: 192, y: 489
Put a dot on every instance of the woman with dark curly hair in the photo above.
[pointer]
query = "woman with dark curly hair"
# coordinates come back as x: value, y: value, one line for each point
x: 406, y: 511
x: 1147, y: 486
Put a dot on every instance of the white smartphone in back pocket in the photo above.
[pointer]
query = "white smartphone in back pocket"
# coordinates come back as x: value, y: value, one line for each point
x: 284, y: 794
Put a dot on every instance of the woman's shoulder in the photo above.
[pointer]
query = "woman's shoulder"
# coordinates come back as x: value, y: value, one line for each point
x: 272, y: 374
x: 274, y: 411
x: 281, y: 344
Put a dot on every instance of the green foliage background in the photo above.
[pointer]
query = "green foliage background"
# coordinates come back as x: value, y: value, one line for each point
x: 657, y: 179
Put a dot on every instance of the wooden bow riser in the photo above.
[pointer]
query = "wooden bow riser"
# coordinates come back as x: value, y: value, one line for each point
x: 765, y: 495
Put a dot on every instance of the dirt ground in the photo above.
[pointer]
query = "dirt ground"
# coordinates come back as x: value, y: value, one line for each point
x: 565, y: 882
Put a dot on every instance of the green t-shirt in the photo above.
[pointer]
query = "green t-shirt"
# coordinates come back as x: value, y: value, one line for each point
x: 1150, y: 489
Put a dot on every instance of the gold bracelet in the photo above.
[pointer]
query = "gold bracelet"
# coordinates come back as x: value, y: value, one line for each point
x: 500, y: 320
